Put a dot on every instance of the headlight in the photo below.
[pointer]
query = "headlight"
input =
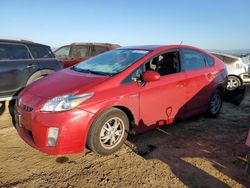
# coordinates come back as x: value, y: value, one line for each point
x: 65, y: 102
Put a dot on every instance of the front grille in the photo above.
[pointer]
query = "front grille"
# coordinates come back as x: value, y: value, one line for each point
x: 27, y: 108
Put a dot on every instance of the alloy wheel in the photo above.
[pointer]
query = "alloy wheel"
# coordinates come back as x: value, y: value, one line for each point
x: 112, y: 133
x: 232, y: 83
x: 215, y: 103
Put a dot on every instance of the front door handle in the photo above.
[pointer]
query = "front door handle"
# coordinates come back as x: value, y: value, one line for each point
x: 31, y: 66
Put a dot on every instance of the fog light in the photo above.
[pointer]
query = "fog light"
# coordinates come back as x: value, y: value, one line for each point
x: 52, y: 136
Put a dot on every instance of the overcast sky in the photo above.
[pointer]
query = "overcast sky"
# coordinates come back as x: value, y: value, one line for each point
x: 213, y: 24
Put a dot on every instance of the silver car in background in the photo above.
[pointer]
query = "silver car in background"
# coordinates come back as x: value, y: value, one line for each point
x: 238, y: 71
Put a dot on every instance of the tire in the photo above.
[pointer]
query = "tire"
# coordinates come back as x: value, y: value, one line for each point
x: 108, y: 132
x: 34, y: 79
x: 233, y: 83
x: 38, y: 75
x: 215, y: 104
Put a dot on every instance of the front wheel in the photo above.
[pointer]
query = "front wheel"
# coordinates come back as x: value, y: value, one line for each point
x: 215, y: 104
x: 108, y: 132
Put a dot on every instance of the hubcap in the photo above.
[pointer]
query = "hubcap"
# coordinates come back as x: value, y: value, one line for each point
x: 215, y: 103
x: 232, y: 84
x: 112, y: 132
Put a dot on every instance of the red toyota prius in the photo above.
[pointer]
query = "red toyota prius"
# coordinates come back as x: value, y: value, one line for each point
x: 96, y: 103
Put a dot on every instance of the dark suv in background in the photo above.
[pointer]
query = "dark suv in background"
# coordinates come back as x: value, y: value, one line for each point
x: 23, y: 62
x: 78, y: 52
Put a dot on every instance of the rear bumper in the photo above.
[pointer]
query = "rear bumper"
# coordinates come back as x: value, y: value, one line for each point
x: 73, y: 125
x: 245, y: 77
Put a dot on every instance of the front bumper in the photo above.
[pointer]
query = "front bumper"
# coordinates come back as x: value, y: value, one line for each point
x: 33, y: 127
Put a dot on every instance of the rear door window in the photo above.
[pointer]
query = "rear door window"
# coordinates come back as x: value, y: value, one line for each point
x: 99, y: 50
x: 13, y: 52
x: 39, y: 52
x: 79, y: 51
x: 193, y: 60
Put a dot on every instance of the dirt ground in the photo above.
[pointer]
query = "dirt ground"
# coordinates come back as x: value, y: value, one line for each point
x: 199, y: 152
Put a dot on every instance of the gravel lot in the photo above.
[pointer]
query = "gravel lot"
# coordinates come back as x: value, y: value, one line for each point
x: 199, y: 152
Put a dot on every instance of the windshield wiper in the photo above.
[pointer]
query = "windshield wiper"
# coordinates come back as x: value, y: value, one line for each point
x: 102, y: 73
x: 76, y: 69
x: 91, y: 72
x: 81, y: 70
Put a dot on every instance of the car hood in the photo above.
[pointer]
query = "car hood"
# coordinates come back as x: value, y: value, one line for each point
x: 64, y: 82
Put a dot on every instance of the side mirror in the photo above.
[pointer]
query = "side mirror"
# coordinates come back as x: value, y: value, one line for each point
x: 150, y: 76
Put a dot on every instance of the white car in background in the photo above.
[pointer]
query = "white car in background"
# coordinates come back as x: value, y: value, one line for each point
x: 238, y: 71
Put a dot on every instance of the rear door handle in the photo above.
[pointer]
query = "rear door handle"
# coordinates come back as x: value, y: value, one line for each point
x: 209, y: 76
x: 180, y: 84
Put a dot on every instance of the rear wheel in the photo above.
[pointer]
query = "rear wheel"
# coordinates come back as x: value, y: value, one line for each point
x: 108, y: 132
x: 215, y: 104
x: 233, y: 83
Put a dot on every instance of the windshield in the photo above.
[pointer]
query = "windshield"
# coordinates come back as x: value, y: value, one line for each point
x: 112, y: 62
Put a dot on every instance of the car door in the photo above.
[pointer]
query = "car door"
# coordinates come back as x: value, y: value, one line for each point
x: 16, y: 66
x: 162, y: 101
x: 199, y: 81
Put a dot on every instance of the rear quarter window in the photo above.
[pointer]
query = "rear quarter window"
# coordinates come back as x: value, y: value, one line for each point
x: 39, y: 52
x: 209, y: 60
x: 13, y: 52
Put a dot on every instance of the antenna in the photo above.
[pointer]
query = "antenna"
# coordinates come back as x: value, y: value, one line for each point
x: 181, y: 43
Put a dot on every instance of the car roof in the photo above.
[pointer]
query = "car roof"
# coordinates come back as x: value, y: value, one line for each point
x: 226, y: 55
x: 142, y: 47
x: 94, y: 43
x: 155, y: 47
x: 26, y: 42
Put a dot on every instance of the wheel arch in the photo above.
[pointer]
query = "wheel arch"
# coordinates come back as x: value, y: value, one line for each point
x: 123, y: 108
x: 38, y: 74
x: 129, y: 114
